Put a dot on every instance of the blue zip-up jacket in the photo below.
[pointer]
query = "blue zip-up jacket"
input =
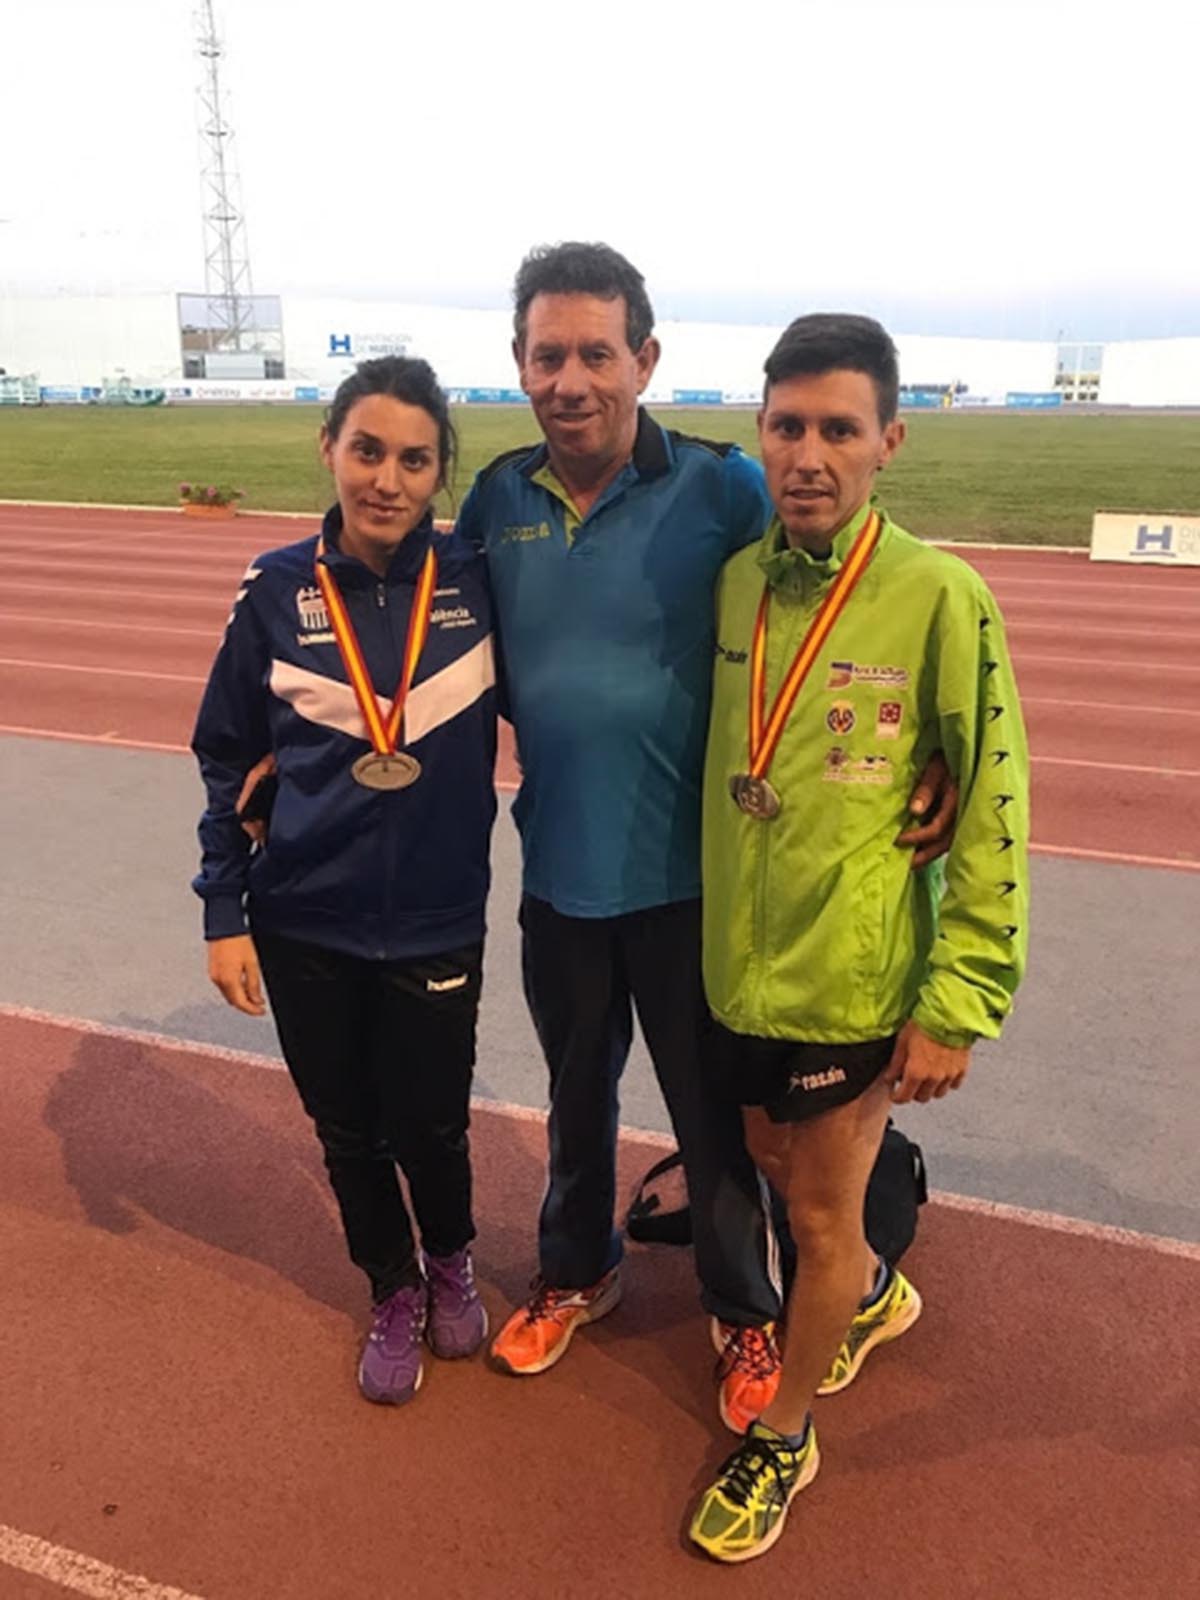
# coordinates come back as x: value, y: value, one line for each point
x: 382, y: 875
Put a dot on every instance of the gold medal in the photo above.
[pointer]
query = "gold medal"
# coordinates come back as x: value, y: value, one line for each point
x: 394, y: 770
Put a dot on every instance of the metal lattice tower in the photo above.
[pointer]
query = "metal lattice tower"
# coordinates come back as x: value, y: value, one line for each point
x: 228, y: 289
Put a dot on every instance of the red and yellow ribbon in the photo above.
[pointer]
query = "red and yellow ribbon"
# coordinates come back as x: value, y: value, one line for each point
x: 384, y: 735
x: 766, y: 729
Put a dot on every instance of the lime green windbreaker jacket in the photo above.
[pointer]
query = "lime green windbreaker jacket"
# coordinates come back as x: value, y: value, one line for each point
x: 815, y: 926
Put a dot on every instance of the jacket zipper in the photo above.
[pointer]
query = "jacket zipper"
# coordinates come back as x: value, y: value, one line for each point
x: 790, y: 640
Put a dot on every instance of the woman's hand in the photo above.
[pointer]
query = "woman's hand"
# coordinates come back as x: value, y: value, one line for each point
x: 233, y: 967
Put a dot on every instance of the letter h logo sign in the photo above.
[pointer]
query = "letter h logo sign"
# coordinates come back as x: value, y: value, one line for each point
x: 339, y: 344
x: 1157, y: 540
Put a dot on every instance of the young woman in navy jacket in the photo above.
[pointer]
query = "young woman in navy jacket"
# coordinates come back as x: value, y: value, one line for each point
x: 362, y: 661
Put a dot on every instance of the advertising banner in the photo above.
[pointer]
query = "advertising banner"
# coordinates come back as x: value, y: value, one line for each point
x: 1147, y: 538
x: 1019, y: 401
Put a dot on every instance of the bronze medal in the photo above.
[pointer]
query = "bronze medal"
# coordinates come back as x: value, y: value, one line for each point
x: 384, y: 767
x: 750, y: 790
x: 386, y: 771
x: 755, y: 797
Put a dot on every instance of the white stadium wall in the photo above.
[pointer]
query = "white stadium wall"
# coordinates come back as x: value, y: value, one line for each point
x: 1151, y: 372
x: 73, y: 341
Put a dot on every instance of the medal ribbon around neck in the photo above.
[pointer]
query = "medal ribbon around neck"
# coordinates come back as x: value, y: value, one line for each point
x: 384, y: 735
x: 766, y: 729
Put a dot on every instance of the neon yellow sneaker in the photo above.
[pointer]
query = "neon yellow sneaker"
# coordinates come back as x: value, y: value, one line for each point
x: 743, y: 1513
x: 887, y: 1317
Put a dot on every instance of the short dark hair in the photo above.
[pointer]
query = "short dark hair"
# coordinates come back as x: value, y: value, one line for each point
x: 575, y: 268
x: 405, y: 378
x: 827, y: 341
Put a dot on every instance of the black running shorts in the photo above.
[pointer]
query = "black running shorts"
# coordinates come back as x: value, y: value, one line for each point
x: 791, y: 1079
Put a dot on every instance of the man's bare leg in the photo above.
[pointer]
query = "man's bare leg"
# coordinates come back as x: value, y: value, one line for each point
x: 821, y: 1168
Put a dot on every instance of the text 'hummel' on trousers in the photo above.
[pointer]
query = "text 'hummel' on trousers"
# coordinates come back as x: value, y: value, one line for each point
x: 382, y: 1053
x: 582, y: 977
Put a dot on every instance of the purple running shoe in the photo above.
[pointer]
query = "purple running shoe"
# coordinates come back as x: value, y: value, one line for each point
x: 458, y: 1321
x: 390, y: 1370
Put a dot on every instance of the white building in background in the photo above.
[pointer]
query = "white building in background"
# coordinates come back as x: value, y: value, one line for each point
x: 76, y: 342
x: 1151, y: 372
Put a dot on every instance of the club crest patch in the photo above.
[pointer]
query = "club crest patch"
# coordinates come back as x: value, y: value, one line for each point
x: 840, y: 717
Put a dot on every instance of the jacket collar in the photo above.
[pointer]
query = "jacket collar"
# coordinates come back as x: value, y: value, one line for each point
x: 406, y: 561
x: 651, y: 451
x: 782, y: 564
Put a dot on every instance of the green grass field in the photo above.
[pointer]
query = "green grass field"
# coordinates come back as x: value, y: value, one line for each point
x: 1007, y: 478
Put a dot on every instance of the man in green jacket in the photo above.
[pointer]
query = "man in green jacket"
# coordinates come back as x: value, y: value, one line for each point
x: 841, y: 983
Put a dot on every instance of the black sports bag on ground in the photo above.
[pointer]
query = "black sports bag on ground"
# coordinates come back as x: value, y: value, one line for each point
x: 659, y: 1212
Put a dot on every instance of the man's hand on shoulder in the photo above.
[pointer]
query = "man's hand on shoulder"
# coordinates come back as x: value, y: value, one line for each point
x: 935, y: 802
x: 921, y: 1069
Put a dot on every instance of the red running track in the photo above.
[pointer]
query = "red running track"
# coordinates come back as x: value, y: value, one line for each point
x: 109, y: 619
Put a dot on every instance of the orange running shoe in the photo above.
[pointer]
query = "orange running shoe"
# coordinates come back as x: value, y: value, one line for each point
x: 537, y: 1335
x: 748, y: 1371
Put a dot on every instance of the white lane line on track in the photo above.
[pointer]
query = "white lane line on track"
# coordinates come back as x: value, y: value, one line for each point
x: 25, y: 1552
x: 1169, y: 668
x: 1116, y: 766
x: 1053, y: 1223
x: 1078, y: 586
x: 1112, y: 705
x: 93, y: 738
x: 131, y: 594
x: 1048, y: 1220
x: 179, y: 677
x: 506, y: 787
x: 1115, y: 857
x: 70, y: 623
x: 1188, y: 635
x: 100, y: 672
x: 1111, y: 607
x: 174, y: 511
x: 113, y: 742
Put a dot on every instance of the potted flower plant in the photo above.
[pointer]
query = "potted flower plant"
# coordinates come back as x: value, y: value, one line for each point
x: 209, y: 500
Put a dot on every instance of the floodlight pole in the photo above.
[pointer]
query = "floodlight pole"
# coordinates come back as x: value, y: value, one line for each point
x: 228, y: 289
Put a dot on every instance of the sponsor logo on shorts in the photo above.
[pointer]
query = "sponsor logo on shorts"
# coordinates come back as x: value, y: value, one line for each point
x: 808, y: 1081
x: 888, y: 719
x: 840, y: 717
x: 444, y: 985
x: 841, y: 767
x: 843, y: 673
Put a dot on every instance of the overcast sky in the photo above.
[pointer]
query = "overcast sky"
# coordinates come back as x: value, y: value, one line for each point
x: 1021, y: 169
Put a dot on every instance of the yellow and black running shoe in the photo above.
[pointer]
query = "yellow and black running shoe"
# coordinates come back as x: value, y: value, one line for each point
x: 887, y: 1317
x: 744, y: 1511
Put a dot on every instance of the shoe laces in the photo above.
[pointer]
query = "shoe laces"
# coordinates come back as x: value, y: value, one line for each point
x: 404, y: 1303
x: 742, y: 1475
x: 752, y: 1351
x: 452, y: 1278
x: 547, y: 1301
